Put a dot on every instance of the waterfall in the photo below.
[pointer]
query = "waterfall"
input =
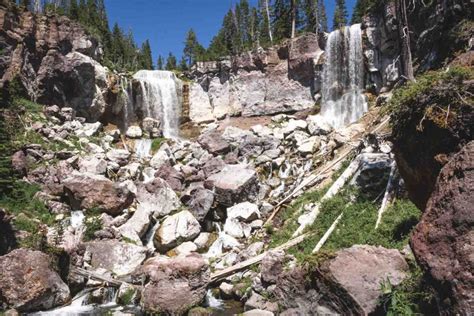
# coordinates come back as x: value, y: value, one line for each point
x: 126, y: 101
x: 143, y: 147
x: 159, y: 98
x: 343, y: 100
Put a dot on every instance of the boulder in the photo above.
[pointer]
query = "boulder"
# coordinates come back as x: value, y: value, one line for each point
x: 134, y: 132
x: 87, y: 191
x: 92, y: 164
x: 318, y: 125
x: 174, y: 178
x: 200, y: 108
x: 200, y: 202
x: 118, y: 156
x: 138, y: 223
x: 234, y: 184
x: 214, y: 143
x: 360, y: 271
x: 174, y: 285
x: 272, y: 266
x: 19, y: 162
x: 157, y: 198
x: 245, y: 212
x: 236, y: 229
x: 176, y: 228
x: 89, y: 129
x: 119, y: 258
x: 162, y: 157
x: 443, y: 241
x: 28, y: 282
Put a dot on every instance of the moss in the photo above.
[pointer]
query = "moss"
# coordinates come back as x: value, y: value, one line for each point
x: 127, y: 297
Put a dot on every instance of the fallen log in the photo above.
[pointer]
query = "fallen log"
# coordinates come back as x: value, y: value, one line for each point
x: 219, y: 275
x: 326, y: 235
x: 99, y: 277
x: 389, y: 193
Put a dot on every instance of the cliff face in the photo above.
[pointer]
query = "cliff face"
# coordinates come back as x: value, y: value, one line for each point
x: 281, y: 79
x: 55, y: 59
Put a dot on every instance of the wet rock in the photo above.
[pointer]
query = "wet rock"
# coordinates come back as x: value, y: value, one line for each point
x: 87, y: 191
x: 443, y: 240
x: 214, y: 143
x: 114, y: 256
x: 174, y: 285
x: 176, y: 228
x: 28, y: 282
x: 235, y: 183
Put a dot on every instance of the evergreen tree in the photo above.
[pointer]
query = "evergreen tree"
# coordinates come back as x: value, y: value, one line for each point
x: 359, y: 11
x: 265, y: 30
x: 171, y: 62
x: 74, y: 10
x: 340, y: 14
x: 146, y: 61
x: 311, y: 14
x: 282, y: 19
x: 159, y: 63
x: 323, y: 20
x: 183, y: 65
x: 193, y: 51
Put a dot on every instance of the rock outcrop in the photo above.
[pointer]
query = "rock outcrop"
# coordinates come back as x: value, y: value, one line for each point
x: 55, y: 60
x: 28, y: 282
x: 443, y: 241
x: 281, y: 79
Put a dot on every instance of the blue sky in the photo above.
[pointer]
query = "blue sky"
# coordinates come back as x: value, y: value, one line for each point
x: 166, y: 22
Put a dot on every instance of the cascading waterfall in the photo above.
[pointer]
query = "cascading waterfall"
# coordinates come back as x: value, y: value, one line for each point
x: 343, y: 101
x: 159, y: 98
x: 143, y: 147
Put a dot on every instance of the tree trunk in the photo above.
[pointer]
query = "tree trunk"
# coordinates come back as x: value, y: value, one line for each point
x: 293, y: 18
x: 404, y: 31
x: 269, y: 22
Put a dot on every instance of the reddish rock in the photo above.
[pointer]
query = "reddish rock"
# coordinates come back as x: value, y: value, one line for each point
x: 29, y: 283
x: 86, y: 191
x: 214, y: 143
x: 443, y: 241
x: 171, y: 176
x: 19, y: 162
x: 174, y: 285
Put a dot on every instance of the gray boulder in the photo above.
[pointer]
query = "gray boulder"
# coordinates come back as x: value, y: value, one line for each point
x: 182, y: 226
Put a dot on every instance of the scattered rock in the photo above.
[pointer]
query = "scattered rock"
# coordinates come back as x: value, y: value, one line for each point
x: 176, y: 228
x: 214, y: 143
x: 134, y: 132
x: 245, y: 211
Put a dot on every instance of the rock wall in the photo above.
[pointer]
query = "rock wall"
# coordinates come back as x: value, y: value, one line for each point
x: 280, y: 79
x: 55, y: 59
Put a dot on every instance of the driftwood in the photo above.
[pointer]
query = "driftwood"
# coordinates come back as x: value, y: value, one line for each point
x: 389, y: 193
x: 99, y: 277
x: 219, y: 275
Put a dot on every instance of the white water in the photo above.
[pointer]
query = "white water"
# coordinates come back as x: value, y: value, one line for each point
x: 213, y: 302
x: 343, y: 100
x: 159, y: 98
x: 126, y: 100
x: 143, y: 147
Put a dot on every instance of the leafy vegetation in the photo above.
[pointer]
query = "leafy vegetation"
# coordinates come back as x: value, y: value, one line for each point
x: 93, y: 225
x: 156, y: 144
x: 414, y: 296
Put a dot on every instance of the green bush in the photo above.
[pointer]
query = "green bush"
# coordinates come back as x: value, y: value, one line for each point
x: 93, y: 225
x: 156, y: 144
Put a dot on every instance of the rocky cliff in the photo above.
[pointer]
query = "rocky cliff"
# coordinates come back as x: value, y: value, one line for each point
x: 284, y: 78
x: 56, y: 61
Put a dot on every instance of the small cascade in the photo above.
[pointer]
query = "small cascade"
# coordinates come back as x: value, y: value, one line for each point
x: 343, y: 100
x: 149, y: 243
x: 143, y: 147
x: 213, y: 302
x: 159, y: 98
x: 126, y: 101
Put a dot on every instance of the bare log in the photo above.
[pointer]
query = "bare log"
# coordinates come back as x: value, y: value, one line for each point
x: 99, y: 277
x: 389, y: 193
x: 325, y: 237
x: 247, y: 263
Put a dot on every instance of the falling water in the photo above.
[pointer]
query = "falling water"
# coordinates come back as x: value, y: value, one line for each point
x: 343, y: 79
x: 159, y: 98
x: 143, y: 147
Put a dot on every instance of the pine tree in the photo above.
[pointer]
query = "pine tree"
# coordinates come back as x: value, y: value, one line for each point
x: 323, y: 20
x: 282, y: 20
x: 193, y: 51
x: 159, y: 63
x: 183, y: 65
x: 359, y: 11
x: 340, y: 14
x: 311, y: 14
x: 265, y: 29
x: 146, y: 61
x: 171, y: 62
x: 74, y: 10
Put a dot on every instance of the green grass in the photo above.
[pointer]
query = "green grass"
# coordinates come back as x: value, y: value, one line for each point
x: 93, y: 225
x: 414, y: 296
x: 357, y: 225
x: 156, y: 144
x: 21, y: 199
